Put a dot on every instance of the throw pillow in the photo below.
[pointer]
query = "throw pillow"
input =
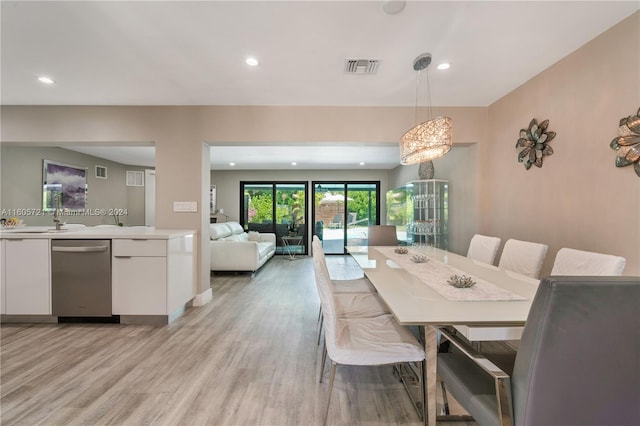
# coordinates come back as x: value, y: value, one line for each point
x: 254, y: 236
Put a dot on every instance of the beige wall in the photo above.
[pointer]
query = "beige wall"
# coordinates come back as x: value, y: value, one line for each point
x: 578, y: 198
x: 179, y: 133
x: 22, y: 185
x: 460, y: 168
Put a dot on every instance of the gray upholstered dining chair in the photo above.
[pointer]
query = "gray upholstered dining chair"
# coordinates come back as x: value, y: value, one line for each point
x: 483, y: 248
x: 577, y: 363
x: 382, y: 235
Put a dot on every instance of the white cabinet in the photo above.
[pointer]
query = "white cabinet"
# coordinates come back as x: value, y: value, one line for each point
x: 139, y: 277
x: 27, y: 277
x: 152, y: 277
x: 2, y: 281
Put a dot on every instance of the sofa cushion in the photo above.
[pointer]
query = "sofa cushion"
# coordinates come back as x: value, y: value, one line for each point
x: 264, y: 249
x: 235, y: 227
x: 239, y: 237
x: 219, y: 230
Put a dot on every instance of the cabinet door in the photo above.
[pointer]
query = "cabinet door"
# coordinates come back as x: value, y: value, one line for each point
x: 27, y: 277
x: 139, y: 285
x: 3, y: 296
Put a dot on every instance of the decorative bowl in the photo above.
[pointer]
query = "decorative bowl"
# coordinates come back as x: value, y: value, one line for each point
x: 461, y: 281
x: 401, y: 250
x: 12, y: 223
x: 419, y: 258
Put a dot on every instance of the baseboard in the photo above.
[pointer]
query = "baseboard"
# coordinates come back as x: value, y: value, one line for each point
x: 203, y: 298
x: 31, y: 319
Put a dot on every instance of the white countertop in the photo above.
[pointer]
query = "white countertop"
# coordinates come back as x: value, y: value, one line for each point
x: 97, y: 232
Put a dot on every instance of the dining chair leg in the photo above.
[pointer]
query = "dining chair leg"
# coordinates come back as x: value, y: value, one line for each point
x: 324, y: 360
x: 423, y: 394
x: 320, y: 329
x: 331, y: 379
x: 445, y: 400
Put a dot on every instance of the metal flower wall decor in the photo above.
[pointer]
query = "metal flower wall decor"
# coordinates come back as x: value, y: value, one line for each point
x: 628, y: 143
x: 535, y: 141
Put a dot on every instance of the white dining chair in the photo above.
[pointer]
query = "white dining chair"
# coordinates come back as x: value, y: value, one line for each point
x: 356, y: 297
x: 523, y: 257
x: 373, y: 341
x: 382, y: 235
x: 350, y: 304
x: 570, y: 261
x: 483, y: 248
x: 355, y: 285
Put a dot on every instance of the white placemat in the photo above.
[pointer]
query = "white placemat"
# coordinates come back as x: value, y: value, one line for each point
x: 435, y: 275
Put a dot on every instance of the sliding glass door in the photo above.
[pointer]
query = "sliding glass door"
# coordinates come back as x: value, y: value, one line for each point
x: 342, y: 213
x: 277, y: 207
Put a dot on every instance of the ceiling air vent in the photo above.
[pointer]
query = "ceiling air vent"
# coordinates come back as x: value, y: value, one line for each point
x: 362, y: 66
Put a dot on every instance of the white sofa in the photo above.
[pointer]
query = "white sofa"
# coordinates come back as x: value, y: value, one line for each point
x: 232, y: 249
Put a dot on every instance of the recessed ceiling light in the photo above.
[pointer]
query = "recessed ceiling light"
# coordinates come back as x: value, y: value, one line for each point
x: 362, y: 163
x: 394, y: 6
x: 444, y: 66
x: 46, y: 80
x: 232, y: 164
x: 294, y: 163
x: 251, y: 62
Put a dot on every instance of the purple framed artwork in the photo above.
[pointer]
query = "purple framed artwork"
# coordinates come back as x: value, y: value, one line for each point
x: 68, y: 182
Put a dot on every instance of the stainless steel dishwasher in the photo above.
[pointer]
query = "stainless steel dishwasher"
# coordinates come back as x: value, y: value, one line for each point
x: 81, y: 278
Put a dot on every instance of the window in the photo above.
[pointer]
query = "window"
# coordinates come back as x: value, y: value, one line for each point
x: 277, y: 207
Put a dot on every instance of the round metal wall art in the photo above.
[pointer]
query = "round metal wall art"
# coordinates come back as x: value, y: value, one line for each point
x: 627, y: 144
x: 535, y: 143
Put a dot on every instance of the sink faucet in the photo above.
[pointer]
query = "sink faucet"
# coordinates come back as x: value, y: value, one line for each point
x: 56, y: 212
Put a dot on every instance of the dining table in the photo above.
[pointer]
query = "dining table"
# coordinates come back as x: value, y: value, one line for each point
x: 414, y: 283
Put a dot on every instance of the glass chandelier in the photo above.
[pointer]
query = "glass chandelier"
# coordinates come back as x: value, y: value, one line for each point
x: 430, y: 139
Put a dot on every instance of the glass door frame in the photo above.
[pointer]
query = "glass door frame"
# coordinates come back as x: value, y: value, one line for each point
x: 273, y: 226
x: 317, y: 229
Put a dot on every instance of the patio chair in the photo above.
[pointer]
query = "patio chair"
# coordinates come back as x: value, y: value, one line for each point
x: 336, y: 222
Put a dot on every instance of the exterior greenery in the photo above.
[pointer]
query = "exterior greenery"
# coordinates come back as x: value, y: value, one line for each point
x: 290, y: 204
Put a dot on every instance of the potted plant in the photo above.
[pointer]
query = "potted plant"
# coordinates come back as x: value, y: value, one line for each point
x: 295, y: 217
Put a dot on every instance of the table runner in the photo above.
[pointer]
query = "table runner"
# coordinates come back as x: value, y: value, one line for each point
x: 435, y: 275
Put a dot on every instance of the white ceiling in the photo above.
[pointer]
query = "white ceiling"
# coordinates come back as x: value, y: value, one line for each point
x: 192, y: 53
x: 316, y: 156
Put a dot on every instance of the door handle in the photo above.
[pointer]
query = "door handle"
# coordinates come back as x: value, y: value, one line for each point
x: 79, y: 249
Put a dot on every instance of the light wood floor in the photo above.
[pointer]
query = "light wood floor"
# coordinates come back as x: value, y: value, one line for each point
x: 247, y: 358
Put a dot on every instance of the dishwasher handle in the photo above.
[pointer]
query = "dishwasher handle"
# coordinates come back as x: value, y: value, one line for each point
x: 80, y: 249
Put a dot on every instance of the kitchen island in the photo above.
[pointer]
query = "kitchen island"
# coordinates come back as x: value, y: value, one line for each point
x: 152, y: 272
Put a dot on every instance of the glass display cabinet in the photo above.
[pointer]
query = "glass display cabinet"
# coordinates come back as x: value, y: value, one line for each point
x: 420, y: 211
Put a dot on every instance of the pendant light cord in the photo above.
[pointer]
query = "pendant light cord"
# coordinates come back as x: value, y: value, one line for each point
x: 415, y: 108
